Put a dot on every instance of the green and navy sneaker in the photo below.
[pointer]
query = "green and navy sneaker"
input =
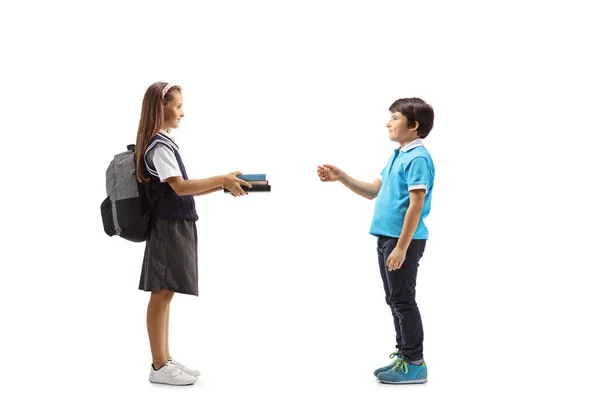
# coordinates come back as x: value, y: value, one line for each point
x: 404, y: 373
x: 389, y: 366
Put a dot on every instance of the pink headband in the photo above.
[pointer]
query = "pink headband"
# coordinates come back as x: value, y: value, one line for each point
x: 166, y: 89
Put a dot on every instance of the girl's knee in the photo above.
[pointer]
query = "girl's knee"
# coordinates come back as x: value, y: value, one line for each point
x: 161, y: 295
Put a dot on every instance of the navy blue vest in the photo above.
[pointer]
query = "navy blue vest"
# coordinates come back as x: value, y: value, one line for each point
x: 170, y: 206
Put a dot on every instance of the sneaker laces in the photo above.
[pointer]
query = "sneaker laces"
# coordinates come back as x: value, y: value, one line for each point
x: 181, y: 366
x: 176, y: 370
x: 401, y: 364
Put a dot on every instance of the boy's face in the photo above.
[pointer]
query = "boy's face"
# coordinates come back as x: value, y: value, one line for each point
x: 173, y: 111
x: 399, y: 131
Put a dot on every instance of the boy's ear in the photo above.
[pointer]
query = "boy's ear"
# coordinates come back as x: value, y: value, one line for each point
x: 415, y: 126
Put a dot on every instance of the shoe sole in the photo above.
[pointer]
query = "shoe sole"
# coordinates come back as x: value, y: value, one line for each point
x: 413, y: 382
x: 173, y: 384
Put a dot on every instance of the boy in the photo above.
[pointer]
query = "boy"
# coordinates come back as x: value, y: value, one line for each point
x: 403, y: 193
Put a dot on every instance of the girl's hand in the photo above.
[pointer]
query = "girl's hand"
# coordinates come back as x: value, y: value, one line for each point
x: 234, y: 184
x: 329, y: 173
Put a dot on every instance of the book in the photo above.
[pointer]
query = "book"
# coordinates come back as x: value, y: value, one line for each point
x: 256, y: 188
x: 253, y: 177
x: 257, y: 183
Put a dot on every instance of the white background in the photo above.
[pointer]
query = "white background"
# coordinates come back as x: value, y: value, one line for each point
x: 291, y: 304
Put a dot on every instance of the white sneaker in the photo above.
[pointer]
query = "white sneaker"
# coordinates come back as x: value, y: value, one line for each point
x: 170, y: 374
x: 185, y: 369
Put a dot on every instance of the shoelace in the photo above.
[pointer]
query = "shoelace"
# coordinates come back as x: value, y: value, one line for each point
x: 175, y: 371
x: 180, y: 366
x: 401, y: 364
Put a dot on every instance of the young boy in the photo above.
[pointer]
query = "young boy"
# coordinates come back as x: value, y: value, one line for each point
x: 403, y: 193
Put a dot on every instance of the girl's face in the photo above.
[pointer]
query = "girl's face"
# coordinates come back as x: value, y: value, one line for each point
x: 173, y: 111
x: 399, y: 131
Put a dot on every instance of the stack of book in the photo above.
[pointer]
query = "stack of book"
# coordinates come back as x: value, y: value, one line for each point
x: 259, y: 183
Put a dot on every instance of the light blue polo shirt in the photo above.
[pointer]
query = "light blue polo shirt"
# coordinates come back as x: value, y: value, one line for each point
x: 409, y: 168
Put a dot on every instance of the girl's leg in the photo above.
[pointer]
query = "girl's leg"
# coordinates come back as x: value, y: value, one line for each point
x: 167, y: 352
x: 155, y: 320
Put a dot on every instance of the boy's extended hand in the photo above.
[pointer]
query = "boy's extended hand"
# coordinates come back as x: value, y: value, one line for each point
x: 396, y: 259
x: 329, y: 173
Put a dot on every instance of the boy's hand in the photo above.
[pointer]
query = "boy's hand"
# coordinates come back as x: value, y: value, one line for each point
x: 329, y: 173
x: 234, y: 184
x: 396, y: 259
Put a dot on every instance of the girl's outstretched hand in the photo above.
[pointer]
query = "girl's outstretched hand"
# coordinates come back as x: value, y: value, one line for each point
x: 329, y: 173
x: 234, y: 184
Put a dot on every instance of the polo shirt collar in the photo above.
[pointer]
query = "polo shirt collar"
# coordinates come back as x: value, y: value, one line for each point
x: 168, y: 135
x: 415, y: 143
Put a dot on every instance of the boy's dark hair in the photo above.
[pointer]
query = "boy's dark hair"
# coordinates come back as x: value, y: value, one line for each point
x: 415, y: 110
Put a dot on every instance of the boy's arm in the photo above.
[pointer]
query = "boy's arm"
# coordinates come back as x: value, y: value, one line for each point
x: 411, y: 221
x: 364, y: 189
x: 331, y: 173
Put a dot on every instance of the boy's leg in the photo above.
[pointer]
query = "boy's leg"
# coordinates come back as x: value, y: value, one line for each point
x: 402, y: 286
x: 382, y: 256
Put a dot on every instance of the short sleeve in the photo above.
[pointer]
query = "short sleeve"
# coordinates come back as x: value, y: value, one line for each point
x: 418, y: 174
x: 380, y: 176
x: 164, y: 162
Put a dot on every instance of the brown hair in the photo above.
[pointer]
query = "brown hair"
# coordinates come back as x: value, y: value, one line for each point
x: 150, y: 121
x: 415, y: 110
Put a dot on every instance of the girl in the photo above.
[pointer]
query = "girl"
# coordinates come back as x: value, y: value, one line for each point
x: 170, y: 259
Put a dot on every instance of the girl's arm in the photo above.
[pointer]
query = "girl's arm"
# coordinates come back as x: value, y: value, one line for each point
x: 195, y: 187
x: 192, y: 186
x: 208, y: 191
